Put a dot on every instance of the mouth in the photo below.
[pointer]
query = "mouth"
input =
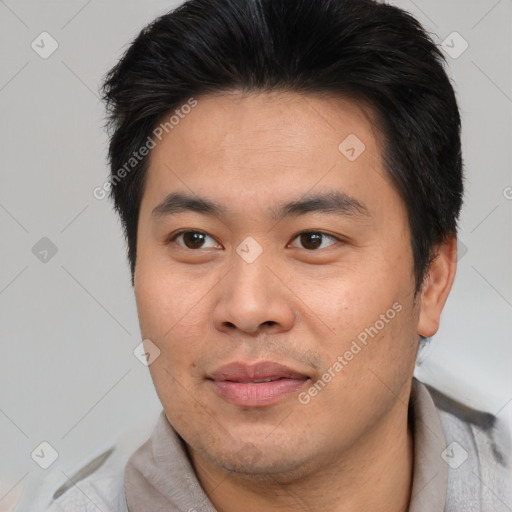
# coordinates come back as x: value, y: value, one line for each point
x: 256, y: 385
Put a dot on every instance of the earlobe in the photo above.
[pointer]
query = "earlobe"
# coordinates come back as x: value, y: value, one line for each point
x: 437, y: 286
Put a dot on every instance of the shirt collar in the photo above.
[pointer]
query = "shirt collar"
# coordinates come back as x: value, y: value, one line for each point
x: 430, y: 477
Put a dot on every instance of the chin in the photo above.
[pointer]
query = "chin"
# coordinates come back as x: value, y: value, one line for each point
x: 258, y: 463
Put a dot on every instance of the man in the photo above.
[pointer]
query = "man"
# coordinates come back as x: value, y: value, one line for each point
x: 289, y: 178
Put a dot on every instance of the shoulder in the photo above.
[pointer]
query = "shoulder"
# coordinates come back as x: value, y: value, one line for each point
x: 97, y: 482
x: 477, y: 452
x: 97, y: 485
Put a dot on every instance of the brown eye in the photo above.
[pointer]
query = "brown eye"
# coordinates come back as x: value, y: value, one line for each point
x: 312, y: 240
x: 192, y: 239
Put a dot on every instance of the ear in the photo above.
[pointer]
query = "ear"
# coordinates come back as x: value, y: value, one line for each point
x: 437, y: 286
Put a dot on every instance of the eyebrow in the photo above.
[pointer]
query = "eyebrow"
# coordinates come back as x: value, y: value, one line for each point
x: 333, y: 202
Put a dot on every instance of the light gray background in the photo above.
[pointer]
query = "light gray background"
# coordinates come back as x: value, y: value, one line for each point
x: 69, y: 325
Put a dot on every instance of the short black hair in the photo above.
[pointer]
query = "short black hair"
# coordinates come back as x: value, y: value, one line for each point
x: 357, y: 49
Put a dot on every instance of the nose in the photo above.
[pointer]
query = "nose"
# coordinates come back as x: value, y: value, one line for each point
x: 253, y: 298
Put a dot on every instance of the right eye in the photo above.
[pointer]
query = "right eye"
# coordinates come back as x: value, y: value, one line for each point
x: 190, y: 239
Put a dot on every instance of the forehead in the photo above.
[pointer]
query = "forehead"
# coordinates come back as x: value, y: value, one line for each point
x: 274, y: 121
x: 247, y: 147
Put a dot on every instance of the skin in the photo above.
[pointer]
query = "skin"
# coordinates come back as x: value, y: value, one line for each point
x: 349, y: 448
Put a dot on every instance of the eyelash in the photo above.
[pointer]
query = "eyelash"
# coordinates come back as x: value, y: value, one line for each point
x: 174, y: 236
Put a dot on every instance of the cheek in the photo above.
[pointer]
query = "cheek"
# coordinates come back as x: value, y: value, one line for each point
x: 367, y: 305
x: 346, y: 300
x: 168, y: 299
x: 174, y: 312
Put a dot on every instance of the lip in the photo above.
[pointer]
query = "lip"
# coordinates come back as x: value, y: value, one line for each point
x: 237, y: 382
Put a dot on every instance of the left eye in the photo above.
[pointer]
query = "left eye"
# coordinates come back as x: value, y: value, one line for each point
x: 312, y: 240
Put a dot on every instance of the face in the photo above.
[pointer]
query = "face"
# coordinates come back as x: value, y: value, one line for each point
x: 282, y: 252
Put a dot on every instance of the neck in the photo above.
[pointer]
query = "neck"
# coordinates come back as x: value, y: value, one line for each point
x: 374, y: 475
